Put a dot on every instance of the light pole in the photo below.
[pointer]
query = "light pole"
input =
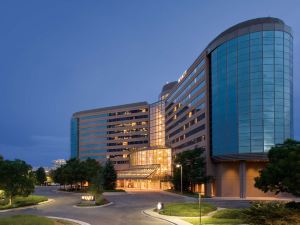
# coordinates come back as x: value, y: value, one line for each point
x: 200, y: 213
x: 179, y: 165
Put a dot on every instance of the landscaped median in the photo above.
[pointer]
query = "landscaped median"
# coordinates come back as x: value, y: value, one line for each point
x: 187, y: 209
x: 19, y: 201
x: 97, y: 201
x: 90, y: 201
x: 222, y: 216
x: 190, y: 212
x: 259, y: 213
x: 34, y: 220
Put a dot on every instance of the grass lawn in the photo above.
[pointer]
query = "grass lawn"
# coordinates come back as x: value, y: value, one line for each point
x: 32, y: 220
x: 23, y: 201
x: 229, y: 214
x: 187, y: 209
x: 213, y: 221
x: 225, y: 217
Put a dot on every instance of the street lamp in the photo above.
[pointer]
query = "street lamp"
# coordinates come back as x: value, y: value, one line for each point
x: 177, y: 166
x: 200, y: 222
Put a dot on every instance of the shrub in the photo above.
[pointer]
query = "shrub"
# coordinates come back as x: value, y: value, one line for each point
x: 99, y: 200
x: 270, y: 213
x: 293, y: 205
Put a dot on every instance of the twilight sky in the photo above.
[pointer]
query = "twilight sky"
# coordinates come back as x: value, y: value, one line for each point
x: 59, y: 56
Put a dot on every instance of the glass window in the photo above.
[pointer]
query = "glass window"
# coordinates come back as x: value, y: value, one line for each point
x: 251, y: 78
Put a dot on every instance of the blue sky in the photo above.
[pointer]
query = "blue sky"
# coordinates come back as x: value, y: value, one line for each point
x: 58, y: 57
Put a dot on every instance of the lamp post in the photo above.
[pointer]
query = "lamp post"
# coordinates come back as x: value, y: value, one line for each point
x: 200, y: 213
x: 177, y: 166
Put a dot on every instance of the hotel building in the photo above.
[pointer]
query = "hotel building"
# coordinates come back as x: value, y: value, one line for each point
x: 235, y: 100
x: 110, y: 133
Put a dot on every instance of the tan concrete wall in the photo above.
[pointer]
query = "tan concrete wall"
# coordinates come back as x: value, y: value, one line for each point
x: 227, y: 179
x: 252, y: 171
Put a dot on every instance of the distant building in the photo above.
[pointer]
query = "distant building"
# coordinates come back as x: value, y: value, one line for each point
x: 58, y: 163
x: 235, y: 100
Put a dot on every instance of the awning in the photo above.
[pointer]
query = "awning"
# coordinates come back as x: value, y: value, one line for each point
x: 138, y: 172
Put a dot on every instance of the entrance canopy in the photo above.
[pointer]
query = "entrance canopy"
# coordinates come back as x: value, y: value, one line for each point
x: 138, y: 172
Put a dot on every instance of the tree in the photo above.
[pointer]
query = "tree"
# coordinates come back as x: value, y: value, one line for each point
x: 282, y: 174
x: 16, y: 179
x: 193, y: 169
x: 40, y: 176
x: 58, y: 175
x: 76, y: 171
x: 96, y: 185
x: 73, y: 172
x: 91, y: 168
x: 109, y: 176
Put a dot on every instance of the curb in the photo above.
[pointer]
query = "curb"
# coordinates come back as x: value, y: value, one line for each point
x: 68, y: 192
x: 186, y: 198
x: 28, y: 207
x: 46, y: 202
x: 93, y: 207
x: 170, y: 219
x: 114, y: 193
x: 71, y: 220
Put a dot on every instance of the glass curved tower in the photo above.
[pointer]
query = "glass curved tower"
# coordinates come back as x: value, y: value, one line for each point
x: 251, y: 88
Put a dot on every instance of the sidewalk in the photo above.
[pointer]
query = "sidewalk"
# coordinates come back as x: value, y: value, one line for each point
x: 176, y: 220
x: 171, y: 219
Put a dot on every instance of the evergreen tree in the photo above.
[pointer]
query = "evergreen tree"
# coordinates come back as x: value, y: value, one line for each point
x: 40, y: 176
x: 109, y: 176
x: 91, y: 169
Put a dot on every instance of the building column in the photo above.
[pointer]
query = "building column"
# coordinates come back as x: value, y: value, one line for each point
x: 242, y: 179
x: 207, y: 189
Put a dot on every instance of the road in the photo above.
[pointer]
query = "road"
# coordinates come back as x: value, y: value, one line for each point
x: 126, y: 210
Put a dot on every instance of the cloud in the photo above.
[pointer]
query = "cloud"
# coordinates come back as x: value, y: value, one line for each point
x: 43, y: 150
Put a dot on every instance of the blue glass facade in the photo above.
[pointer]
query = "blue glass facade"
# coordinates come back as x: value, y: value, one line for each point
x: 251, y: 92
x: 74, y: 137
